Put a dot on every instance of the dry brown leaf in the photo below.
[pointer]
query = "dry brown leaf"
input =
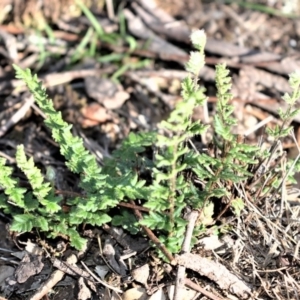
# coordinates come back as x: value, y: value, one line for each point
x: 141, y: 274
x: 116, y: 101
x: 135, y: 294
x: 93, y: 115
x: 84, y: 292
x: 106, y: 92
x: 216, y: 272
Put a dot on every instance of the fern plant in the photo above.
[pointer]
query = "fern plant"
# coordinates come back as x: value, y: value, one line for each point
x: 170, y: 191
x: 158, y: 170
x: 93, y: 205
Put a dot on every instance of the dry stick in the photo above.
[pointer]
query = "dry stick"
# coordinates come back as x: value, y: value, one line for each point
x: 216, y: 272
x: 152, y: 236
x: 224, y: 209
x: 189, y: 283
x: 17, y: 116
x: 100, y: 280
x: 54, y: 79
x: 110, y: 9
x: 102, y: 256
x: 180, y: 278
x: 55, y: 277
x: 75, y: 194
x: 258, y: 125
x: 128, y: 205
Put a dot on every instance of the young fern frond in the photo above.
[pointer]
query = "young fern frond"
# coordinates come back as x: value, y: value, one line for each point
x: 287, y: 115
x: 168, y: 181
x: 79, y: 160
x: 14, y: 193
x: 41, y: 190
x: 223, y: 120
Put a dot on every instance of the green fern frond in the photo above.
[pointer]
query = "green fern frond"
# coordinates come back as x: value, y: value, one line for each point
x: 10, y: 185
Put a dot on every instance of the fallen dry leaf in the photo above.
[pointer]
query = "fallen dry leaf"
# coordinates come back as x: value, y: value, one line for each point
x: 141, y: 274
x: 216, y: 272
x: 94, y: 114
x: 106, y: 92
x: 84, y: 292
x: 135, y: 294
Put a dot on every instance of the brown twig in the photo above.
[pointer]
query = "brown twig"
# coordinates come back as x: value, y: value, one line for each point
x: 190, y: 284
x: 133, y: 206
x: 216, y: 272
x: 55, y: 277
x: 123, y: 204
x: 153, y: 238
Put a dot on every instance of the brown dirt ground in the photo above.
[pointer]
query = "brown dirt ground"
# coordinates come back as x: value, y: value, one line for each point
x: 260, y: 48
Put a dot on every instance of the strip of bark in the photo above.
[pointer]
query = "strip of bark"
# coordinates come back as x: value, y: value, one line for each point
x: 180, y: 278
x: 216, y: 272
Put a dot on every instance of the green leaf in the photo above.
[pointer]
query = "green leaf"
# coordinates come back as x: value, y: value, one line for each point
x: 41, y: 223
x: 127, y: 221
x: 238, y: 205
x: 22, y: 223
x: 205, y: 217
x: 76, y: 240
x: 99, y: 219
x: 17, y: 196
x: 52, y: 207
x: 156, y: 220
x: 294, y: 113
x: 30, y: 202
